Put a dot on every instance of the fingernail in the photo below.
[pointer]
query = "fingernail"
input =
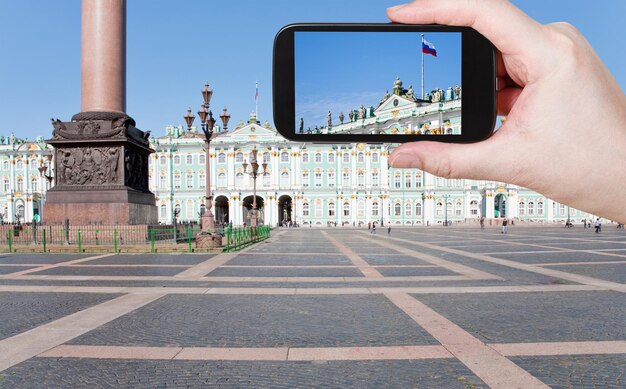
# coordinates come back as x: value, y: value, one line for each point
x: 402, y: 159
x: 395, y: 7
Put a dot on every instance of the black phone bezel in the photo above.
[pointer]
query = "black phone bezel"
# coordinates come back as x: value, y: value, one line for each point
x: 478, y: 75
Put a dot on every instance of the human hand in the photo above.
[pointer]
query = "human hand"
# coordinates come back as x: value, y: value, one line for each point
x: 565, y: 133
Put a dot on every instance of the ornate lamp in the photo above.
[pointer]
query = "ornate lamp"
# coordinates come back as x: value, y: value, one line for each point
x: 207, y: 93
x: 225, y: 116
x: 189, y: 118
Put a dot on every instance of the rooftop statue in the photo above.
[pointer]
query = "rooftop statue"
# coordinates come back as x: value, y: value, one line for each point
x: 361, y: 114
x: 329, y: 120
x: 301, y: 125
x: 341, y: 117
x: 457, y: 91
x: 409, y: 94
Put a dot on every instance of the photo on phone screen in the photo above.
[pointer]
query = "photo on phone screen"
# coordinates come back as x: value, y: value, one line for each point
x: 378, y: 83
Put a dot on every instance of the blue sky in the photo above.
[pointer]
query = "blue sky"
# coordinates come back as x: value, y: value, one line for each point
x: 175, y: 46
x: 342, y: 71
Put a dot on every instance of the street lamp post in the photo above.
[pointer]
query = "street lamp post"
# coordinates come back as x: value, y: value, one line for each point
x: 445, y: 202
x: 254, y: 173
x: 207, y: 124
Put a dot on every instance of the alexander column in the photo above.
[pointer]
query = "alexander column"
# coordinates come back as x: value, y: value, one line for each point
x: 101, y: 157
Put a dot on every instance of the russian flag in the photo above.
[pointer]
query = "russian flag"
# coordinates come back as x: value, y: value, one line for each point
x: 428, y: 48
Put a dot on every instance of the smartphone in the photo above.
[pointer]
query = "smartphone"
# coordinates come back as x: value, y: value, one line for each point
x: 383, y: 83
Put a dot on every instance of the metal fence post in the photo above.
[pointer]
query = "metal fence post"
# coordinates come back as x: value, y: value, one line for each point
x: 152, y: 240
x: 189, y: 238
x: 79, y: 242
x: 115, y: 240
x: 43, y: 237
x: 10, y: 238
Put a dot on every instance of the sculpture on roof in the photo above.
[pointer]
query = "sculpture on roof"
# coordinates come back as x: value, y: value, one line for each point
x: 385, y: 97
x: 351, y: 115
x: 341, y: 117
x: 397, y: 87
x: 301, y: 125
x: 457, y: 92
x: 361, y: 114
x: 329, y: 120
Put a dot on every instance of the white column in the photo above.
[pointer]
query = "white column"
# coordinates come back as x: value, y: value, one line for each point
x: 230, y: 168
x: 489, y: 200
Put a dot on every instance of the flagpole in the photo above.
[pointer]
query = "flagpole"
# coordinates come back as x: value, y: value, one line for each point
x: 422, y: 49
x: 256, y: 101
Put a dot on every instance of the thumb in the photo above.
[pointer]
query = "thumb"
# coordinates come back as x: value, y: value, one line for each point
x: 491, y: 159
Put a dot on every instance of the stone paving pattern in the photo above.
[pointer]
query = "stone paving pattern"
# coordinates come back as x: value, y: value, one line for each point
x: 240, y: 301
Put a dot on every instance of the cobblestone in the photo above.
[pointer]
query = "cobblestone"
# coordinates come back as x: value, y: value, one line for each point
x: 111, y: 271
x: 610, y: 272
x: 74, y: 373
x: 39, y: 258
x: 21, y: 312
x: 152, y: 259
x: 288, y: 260
x: 285, y: 272
x: 262, y: 321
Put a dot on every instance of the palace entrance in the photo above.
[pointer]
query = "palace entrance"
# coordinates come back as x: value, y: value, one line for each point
x: 285, y: 206
x: 221, y: 210
x: 499, y: 206
x: 247, y: 207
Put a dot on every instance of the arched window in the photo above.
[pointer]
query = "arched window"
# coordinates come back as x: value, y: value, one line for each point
x: 163, y: 160
x: 201, y: 180
x: 522, y: 208
x: 531, y: 208
x: 163, y: 182
x: 540, y: 208
x: 318, y: 157
x: 360, y: 178
x: 189, y: 180
x: 375, y: 209
x: 189, y: 209
x: 239, y: 157
x: 284, y: 180
x: 239, y: 180
x: 318, y: 179
x: 331, y: 209
x: 408, y: 209
x: 346, y: 179
x: 397, y: 180
x: 266, y: 157
x: 562, y: 209
x: 346, y: 209
x: 305, y: 179
x: 418, y: 209
x: 267, y: 180
x: 163, y: 211
x: 177, y: 209
x: 305, y: 209
x: 331, y: 157
x: 360, y: 157
x: 397, y: 209
x: 407, y: 180
x: 221, y: 180
x: 189, y: 160
x: 439, y: 208
x: 177, y: 160
x: 346, y: 157
x: 474, y: 208
x: 20, y: 211
x: 374, y: 157
x: 7, y: 185
x: 177, y: 181
x: 375, y: 179
x: 284, y: 156
x: 360, y: 209
x: 305, y: 157
x: 318, y: 208
x: 33, y: 184
x: 331, y: 178
x: 33, y: 163
x: 202, y: 159
x: 418, y: 180
x: 458, y: 208
x: 221, y: 158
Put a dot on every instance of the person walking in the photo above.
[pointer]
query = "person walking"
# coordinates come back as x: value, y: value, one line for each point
x: 505, y: 226
x: 373, y: 229
x: 389, y: 230
x: 598, y: 226
x: 482, y: 222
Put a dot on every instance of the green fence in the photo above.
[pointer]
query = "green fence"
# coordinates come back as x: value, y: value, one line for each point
x: 238, y: 238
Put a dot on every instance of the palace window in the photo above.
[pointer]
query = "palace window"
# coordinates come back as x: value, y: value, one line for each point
x: 360, y: 209
x: 163, y: 160
x: 20, y: 211
x: 19, y: 165
x: 305, y: 157
x: 331, y: 209
x: 239, y: 157
x: 418, y: 209
x: 284, y: 156
x: 562, y: 209
x: 407, y: 180
x: 346, y: 157
x: 522, y: 208
x: 397, y: 181
x: 163, y: 182
x: 408, y: 209
x: 346, y: 209
x: 374, y: 179
x: 346, y: 179
x: 202, y: 159
x: 266, y: 157
x: 177, y: 181
x: 439, y: 208
x: 189, y: 209
x: 331, y: 157
x: 360, y: 179
x: 458, y: 209
x: 189, y: 180
x: 331, y: 179
x: 33, y: 163
x: 397, y: 209
x: 221, y: 158
x: 540, y: 208
x: 177, y: 210
x: 163, y: 209
x: 305, y: 179
x: 201, y: 180
x: 318, y: 179
x: 284, y: 180
x: 375, y: 209
x: 305, y: 209
x: 418, y: 180
x: 474, y: 208
x: 267, y: 180
x: 318, y: 208
x: 531, y: 208
x: 375, y: 157
x: 360, y: 157
x: 318, y: 157
x: 239, y: 180
x: 33, y: 184
x: 177, y: 160
x: 189, y: 160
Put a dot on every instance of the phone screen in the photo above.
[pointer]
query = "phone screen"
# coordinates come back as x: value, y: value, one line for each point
x: 378, y: 83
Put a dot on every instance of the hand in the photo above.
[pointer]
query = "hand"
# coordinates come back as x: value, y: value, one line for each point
x: 565, y: 133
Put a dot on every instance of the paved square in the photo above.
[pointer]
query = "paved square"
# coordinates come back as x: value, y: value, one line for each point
x: 421, y: 307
